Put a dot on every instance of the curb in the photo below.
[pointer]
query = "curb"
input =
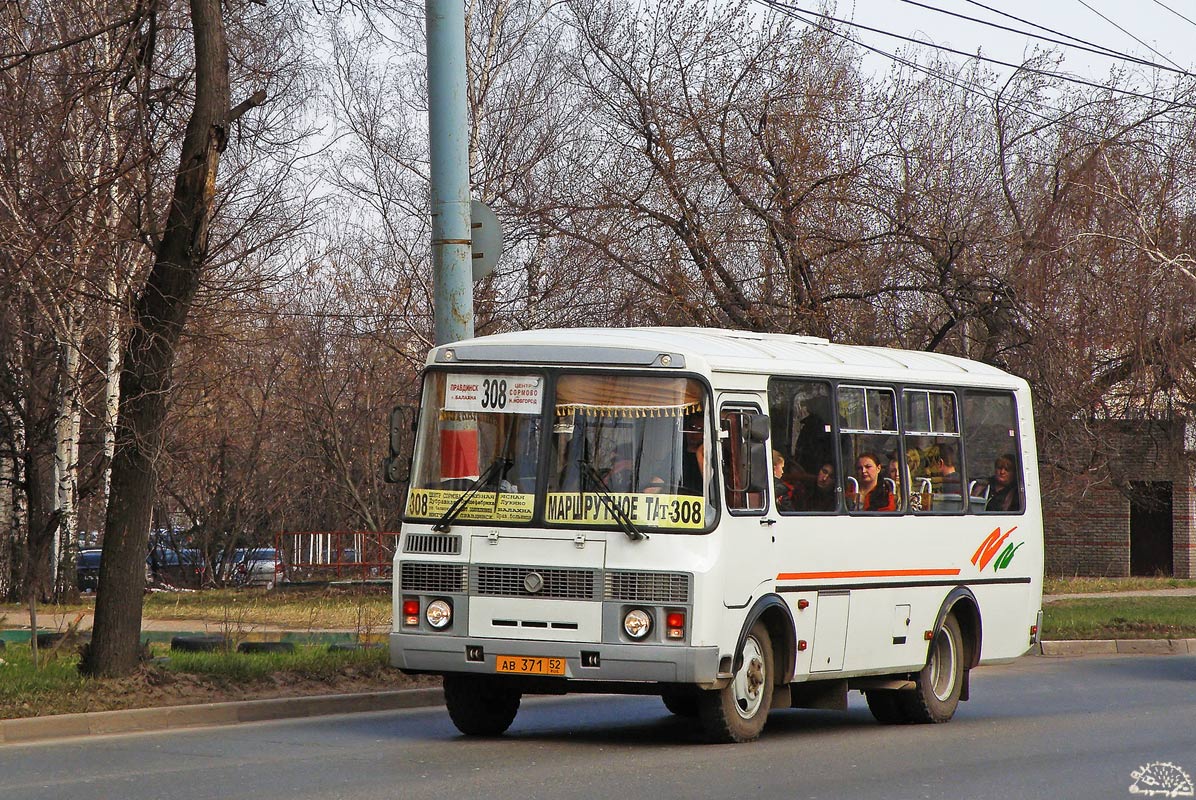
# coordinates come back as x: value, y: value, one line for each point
x: 143, y: 720
x: 1112, y: 647
x: 140, y: 720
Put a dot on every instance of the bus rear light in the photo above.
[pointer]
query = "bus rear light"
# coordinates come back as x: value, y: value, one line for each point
x: 410, y: 612
x: 802, y: 645
x: 674, y: 623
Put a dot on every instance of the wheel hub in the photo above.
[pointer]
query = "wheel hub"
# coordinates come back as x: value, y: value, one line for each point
x: 749, y: 681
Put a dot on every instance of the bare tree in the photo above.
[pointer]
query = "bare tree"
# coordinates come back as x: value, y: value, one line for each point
x: 158, y: 318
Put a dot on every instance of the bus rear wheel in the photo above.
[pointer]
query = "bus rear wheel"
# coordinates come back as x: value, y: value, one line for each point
x: 886, y: 706
x: 939, y: 685
x: 479, y: 705
x: 738, y: 711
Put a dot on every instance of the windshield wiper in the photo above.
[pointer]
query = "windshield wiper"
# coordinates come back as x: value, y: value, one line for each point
x: 604, y: 493
x: 497, y: 467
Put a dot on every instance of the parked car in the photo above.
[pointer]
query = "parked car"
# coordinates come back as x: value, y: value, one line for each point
x: 87, y: 570
x: 257, y: 567
x: 182, y: 568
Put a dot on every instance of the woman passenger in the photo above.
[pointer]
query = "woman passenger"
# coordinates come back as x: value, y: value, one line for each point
x: 874, y: 494
x: 1003, y: 493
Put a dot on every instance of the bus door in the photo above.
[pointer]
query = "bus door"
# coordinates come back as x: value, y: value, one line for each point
x: 745, y: 529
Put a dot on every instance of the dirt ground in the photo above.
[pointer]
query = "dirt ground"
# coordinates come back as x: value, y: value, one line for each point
x: 153, y: 686
x: 158, y: 687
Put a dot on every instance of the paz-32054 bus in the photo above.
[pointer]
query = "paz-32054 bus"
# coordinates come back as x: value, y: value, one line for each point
x: 736, y: 522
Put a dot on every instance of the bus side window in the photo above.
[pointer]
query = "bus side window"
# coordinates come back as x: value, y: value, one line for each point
x: 801, y: 432
x: 932, y: 452
x: 992, y: 454
x: 868, y: 443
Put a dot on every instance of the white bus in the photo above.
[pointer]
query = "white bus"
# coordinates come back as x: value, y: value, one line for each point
x: 736, y: 522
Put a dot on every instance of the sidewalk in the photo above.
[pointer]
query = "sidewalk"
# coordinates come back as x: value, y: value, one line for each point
x: 1177, y: 592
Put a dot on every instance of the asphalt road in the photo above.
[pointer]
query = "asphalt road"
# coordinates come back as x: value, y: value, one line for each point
x: 1043, y: 727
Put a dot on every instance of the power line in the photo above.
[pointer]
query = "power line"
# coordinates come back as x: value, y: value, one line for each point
x: 1017, y: 67
x: 1123, y: 30
x: 1034, y: 24
x: 1176, y: 13
x: 1076, y: 43
x: 965, y: 86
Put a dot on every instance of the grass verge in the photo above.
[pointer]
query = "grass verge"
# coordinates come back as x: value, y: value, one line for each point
x: 1062, y: 585
x: 1121, y: 618
x: 364, y: 610
x: 58, y: 688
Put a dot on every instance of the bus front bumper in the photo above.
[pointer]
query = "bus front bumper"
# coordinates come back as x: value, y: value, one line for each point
x: 584, y: 661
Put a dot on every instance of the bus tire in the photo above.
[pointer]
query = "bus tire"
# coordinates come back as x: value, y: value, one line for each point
x: 738, y: 711
x: 886, y: 706
x: 480, y: 706
x: 939, y: 685
x: 682, y: 702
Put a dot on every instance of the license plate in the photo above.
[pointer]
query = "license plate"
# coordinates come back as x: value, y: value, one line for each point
x: 529, y: 665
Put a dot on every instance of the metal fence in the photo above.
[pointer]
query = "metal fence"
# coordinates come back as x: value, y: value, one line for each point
x: 336, y: 555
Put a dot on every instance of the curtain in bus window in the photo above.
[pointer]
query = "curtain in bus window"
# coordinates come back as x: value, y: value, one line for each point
x: 618, y: 396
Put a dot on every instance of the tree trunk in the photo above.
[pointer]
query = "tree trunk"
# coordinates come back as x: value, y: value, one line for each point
x: 158, y: 318
x: 7, y: 528
x: 64, y: 548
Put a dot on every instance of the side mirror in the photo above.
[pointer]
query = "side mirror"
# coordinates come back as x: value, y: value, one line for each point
x: 396, y: 467
x: 750, y: 451
x: 756, y: 428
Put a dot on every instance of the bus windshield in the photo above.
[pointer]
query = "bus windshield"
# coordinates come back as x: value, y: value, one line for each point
x: 639, y: 441
x: 623, y: 451
x: 479, y: 448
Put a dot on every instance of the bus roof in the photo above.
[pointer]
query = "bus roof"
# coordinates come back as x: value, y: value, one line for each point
x: 715, y: 350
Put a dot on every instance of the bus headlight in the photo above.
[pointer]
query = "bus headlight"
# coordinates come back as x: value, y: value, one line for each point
x: 439, y: 614
x: 637, y: 623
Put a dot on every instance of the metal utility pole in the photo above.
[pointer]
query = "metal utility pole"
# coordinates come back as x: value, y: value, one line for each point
x: 448, y: 138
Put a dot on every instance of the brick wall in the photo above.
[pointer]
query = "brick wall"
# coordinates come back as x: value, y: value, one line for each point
x: 1087, y: 515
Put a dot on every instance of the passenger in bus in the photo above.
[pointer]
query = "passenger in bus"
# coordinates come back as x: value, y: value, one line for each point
x: 784, y: 490
x: 913, y: 460
x: 814, y: 444
x: 1003, y: 493
x: 873, y: 494
x: 893, y: 473
x: 822, y: 496
x: 620, y: 476
x: 695, y: 475
x: 946, y: 476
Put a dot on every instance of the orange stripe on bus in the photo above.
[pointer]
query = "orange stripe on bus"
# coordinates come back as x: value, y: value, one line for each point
x: 866, y: 573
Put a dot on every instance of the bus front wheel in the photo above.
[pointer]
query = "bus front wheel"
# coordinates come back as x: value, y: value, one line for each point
x: 738, y: 711
x: 479, y: 705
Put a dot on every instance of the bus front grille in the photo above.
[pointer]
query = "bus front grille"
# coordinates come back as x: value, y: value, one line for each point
x: 432, y: 544
x: 554, y: 583
x: 447, y: 578
x: 647, y: 587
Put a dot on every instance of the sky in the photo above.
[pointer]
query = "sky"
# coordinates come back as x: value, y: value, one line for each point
x: 1159, y: 31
